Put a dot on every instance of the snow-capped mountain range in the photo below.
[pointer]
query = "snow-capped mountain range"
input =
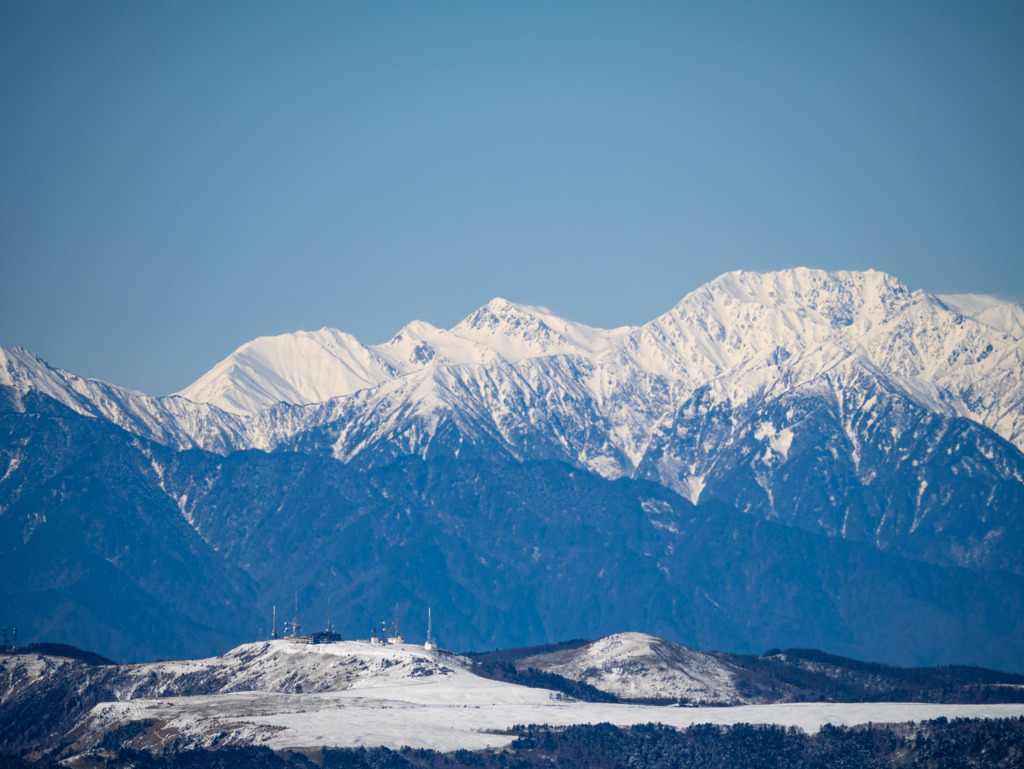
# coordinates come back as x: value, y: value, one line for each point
x: 749, y: 386
x: 745, y: 335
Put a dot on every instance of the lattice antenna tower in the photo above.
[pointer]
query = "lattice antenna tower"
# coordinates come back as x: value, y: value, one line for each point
x: 431, y: 643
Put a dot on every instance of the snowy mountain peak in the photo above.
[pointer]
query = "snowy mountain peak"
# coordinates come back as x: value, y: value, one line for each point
x: 509, y: 369
x: 515, y: 332
x: 519, y: 332
x: 742, y: 317
x: 1005, y: 317
x: 20, y: 368
x: 836, y: 298
x: 304, y: 367
x: 737, y: 318
x: 419, y: 344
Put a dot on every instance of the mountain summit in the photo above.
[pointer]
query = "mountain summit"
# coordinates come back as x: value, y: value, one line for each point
x: 740, y: 334
x: 313, y: 367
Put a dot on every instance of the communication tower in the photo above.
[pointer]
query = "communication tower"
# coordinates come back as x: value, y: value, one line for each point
x: 397, y: 637
x: 296, y: 627
x: 431, y: 644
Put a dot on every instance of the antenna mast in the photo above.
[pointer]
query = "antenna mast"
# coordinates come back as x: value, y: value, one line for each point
x: 431, y: 644
x: 397, y: 637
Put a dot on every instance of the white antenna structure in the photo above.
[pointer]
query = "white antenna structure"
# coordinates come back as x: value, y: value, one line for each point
x: 431, y: 644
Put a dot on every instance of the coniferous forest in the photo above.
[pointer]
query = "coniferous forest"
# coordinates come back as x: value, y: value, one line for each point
x: 979, y: 744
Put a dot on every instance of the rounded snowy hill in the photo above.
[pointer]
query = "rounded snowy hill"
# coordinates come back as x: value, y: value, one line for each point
x: 304, y: 367
x: 637, y: 666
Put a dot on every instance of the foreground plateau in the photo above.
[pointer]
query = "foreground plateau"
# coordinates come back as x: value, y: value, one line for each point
x: 287, y: 695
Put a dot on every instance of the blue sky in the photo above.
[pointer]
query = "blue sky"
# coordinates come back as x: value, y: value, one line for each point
x: 177, y: 178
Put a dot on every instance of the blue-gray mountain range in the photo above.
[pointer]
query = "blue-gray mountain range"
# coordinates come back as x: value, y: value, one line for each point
x: 793, y: 459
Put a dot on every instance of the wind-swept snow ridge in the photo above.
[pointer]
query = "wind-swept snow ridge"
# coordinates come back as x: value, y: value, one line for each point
x: 1007, y: 317
x: 307, y: 368
x: 171, y: 421
x: 519, y: 332
x: 743, y: 334
x: 300, y: 368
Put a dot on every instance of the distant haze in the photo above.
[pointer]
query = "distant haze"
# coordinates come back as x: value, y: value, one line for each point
x: 180, y: 178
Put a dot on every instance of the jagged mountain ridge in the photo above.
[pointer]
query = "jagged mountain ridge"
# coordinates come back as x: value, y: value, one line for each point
x: 313, y: 367
x: 950, y: 354
x: 801, y: 395
x: 743, y: 332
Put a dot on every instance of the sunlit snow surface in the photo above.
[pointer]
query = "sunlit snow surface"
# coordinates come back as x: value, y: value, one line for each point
x: 640, y: 666
x: 406, y: 696
x: 514, y: 369
x: 468, y: 712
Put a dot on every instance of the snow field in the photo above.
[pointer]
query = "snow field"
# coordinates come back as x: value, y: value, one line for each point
x: 456, y: 712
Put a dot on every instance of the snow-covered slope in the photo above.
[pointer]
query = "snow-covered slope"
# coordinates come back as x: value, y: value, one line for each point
x: 304, y: 367
x: 287, y: 667
x: 518, y: 332
x: 640, y: 666
x: 300, y: 697
x: 312, y: 367
x: 1005, y: 317
x: 746, y: 333
x: 172, y: 421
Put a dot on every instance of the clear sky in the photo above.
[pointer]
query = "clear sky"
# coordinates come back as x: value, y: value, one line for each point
x: 177, y: 178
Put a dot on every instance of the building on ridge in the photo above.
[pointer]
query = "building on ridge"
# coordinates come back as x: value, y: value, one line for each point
x: 325, y: 636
